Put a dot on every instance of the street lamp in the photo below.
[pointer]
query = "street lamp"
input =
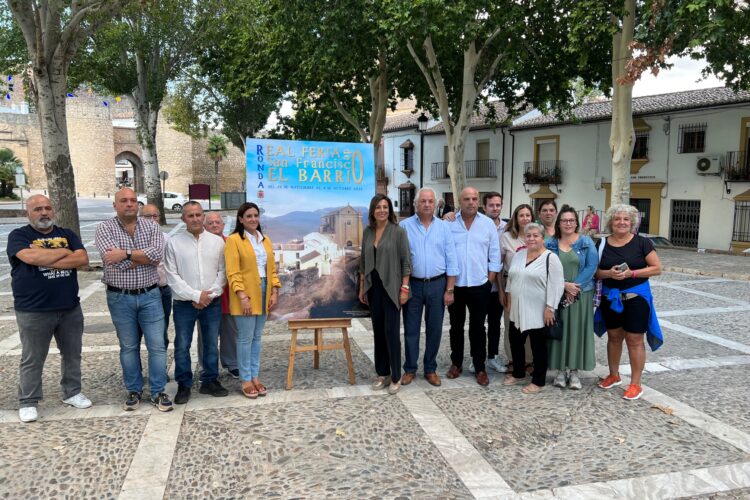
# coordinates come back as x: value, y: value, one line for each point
x: 422, y: 122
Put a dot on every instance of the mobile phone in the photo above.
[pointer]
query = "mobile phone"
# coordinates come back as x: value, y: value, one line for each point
x: 622, y: 267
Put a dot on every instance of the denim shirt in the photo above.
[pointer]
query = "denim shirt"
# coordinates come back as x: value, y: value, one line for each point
x: 588, y: 260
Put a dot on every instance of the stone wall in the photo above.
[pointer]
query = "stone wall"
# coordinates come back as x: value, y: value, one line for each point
x: 91, y: 148
x: 175, y: 153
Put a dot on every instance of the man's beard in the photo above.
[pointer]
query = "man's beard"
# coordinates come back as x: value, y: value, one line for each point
x: 43, y: 224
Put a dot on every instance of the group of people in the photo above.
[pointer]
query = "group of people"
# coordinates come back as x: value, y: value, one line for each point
x: 227, y: 285
x: 536, y: 273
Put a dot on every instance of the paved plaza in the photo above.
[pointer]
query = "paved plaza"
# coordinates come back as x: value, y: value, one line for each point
x: 688, y: 437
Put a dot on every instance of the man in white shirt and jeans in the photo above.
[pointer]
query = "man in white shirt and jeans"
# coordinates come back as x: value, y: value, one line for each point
x: 194, y: 261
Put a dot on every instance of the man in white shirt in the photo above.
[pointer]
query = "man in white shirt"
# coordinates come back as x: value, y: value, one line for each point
x: 478, y: 252
x: 493, y: 205
x: 194, y: 261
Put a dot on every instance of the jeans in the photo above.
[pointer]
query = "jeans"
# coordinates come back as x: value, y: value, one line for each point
x: 144, y: 312
x: 228, y: 342
x: 538, y: 339
x: 427, y: 296
x: 185, y: 316
x: 249, y: 330
x: 386, y: 330
x: 475, y: 298
x: 36, y: 330
x: 494, y: 313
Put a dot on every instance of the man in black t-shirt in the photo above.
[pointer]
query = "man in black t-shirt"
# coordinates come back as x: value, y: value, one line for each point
x: 43, y: 259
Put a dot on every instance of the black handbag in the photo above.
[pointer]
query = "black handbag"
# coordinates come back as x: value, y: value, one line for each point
x: 555, y: 330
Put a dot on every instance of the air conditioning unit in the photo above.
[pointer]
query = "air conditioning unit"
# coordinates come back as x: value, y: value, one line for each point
x: 708, y: 165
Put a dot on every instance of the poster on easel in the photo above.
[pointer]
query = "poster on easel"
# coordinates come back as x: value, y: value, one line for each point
x: 314, y: 198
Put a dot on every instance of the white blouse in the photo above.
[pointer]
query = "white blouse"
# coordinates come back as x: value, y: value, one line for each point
x: 261, y: 258
x: 530, y: 289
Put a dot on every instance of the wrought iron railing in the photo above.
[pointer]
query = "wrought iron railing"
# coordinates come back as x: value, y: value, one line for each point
x: 737, y: 166
x: 472, y: 168
x: 542, y: 172
x: 741, y: 227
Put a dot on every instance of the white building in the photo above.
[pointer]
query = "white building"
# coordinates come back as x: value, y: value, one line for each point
x: 690, y: 173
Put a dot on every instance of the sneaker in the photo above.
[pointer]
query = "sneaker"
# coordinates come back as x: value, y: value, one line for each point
x: 471, y: 368
x: 213, y: 388
x: 380, y: 383
x: 561, y: 380
x: 574, y: 382
x: 610, y: 382
x: 134, y: 399
x: 162, y: 402
x: 235, y: 373
x: 78, y: 401
x: 183, y: 395
x: 497, y: 365
x: 27, y: 414
x: 633, y: 392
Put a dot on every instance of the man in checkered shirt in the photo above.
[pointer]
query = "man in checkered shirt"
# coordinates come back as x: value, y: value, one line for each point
x: 131, y: 249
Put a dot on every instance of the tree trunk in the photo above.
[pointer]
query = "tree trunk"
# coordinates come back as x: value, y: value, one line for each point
x: 622, y: 135
x: 51, y: 95
x: 146, y: 121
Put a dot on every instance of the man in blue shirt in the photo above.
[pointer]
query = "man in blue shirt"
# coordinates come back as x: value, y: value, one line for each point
x: 478, y: 252
x: 434, y: 270
x: 43, y: 259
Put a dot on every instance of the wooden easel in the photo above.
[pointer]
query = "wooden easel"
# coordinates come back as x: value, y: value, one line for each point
x: 318, y: 325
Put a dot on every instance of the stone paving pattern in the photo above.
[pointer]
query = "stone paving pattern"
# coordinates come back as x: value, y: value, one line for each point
x: 327, y: 439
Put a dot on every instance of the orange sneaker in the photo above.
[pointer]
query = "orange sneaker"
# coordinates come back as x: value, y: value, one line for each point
x: 633, y: 392
x: 610, y: 382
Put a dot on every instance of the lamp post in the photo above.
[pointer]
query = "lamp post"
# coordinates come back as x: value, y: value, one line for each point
x: 422, y: 124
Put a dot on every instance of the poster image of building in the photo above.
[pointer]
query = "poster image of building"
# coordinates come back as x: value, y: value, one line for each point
x: 314, y: 198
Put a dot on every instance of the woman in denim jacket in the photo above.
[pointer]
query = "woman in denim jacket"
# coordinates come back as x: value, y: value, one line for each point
x: 580, y: 259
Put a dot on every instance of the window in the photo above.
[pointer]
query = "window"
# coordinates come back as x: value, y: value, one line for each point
x: 692, y: 138
x: 741, y: 229
x: 640, y: 150
x: 407, y: 159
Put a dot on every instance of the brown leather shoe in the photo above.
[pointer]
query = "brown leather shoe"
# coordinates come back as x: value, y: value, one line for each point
x: 453, y: 372
x: 483, y: 379
x: 433, y: 379
x: 407, y: 378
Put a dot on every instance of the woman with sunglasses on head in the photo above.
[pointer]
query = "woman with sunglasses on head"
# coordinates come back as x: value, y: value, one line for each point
x: 579, y: 258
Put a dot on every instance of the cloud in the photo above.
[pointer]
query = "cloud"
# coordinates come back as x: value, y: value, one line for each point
x: 684, y: 75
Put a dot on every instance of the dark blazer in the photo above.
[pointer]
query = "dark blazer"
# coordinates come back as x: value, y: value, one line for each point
x: 393, y: 260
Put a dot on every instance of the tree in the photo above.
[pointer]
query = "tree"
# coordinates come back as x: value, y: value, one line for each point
x: 217, y: 151
x: 468, y: 51
x: 8, y: 164
x: 53, y: 32
x: 314, y: 119
x: 136, y: 56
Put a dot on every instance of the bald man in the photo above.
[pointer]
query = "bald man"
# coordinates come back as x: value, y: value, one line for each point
x: 43, y: 259
x: 131, y: 248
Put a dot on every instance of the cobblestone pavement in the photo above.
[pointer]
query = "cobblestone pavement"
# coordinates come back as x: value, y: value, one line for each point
x: 688, y: 437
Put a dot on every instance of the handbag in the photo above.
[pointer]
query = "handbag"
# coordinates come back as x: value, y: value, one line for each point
x: 555, y: 330
x: 598, y: 283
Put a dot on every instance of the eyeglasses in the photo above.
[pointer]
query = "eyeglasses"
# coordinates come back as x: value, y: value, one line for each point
x: 567, y: 221
x: 150, y: 216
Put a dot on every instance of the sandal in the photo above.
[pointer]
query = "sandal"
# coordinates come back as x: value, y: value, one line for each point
x: 532, y: 389
x: 511, y: 380
x: 249, y: 390
x: 262, y: 389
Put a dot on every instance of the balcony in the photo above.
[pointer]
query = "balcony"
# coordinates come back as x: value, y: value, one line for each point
x: 472, y: 169
x: 542, y: 172
x: 737, y: 166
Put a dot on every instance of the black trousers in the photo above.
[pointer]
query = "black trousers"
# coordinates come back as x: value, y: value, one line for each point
x: 494, y: 315
x: 386, y: 325
x: 475, y: 298
x: 538, y: 339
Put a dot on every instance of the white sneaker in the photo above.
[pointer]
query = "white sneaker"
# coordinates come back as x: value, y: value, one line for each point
x: 560, y: 380
x: 497, y: 365
x: 574, y: 382
x: 79, y: 401
x: 471, y: 367
x: 27, y: 414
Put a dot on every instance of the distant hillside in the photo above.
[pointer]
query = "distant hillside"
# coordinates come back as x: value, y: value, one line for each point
x: 297, y: 224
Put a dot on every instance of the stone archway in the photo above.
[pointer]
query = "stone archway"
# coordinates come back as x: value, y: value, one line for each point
x: 131, y: 177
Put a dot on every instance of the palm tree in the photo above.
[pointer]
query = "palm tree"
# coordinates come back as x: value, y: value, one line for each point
x: 217, y: 151
x: 8, y: 164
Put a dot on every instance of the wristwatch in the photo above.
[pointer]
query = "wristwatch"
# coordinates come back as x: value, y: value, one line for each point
x: 128, y: 254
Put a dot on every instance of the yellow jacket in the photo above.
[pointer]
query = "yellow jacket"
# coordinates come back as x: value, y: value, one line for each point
x: 242, y: 273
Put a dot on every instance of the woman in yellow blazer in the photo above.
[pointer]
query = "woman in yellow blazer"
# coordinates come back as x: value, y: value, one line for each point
x: 253, y: 285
